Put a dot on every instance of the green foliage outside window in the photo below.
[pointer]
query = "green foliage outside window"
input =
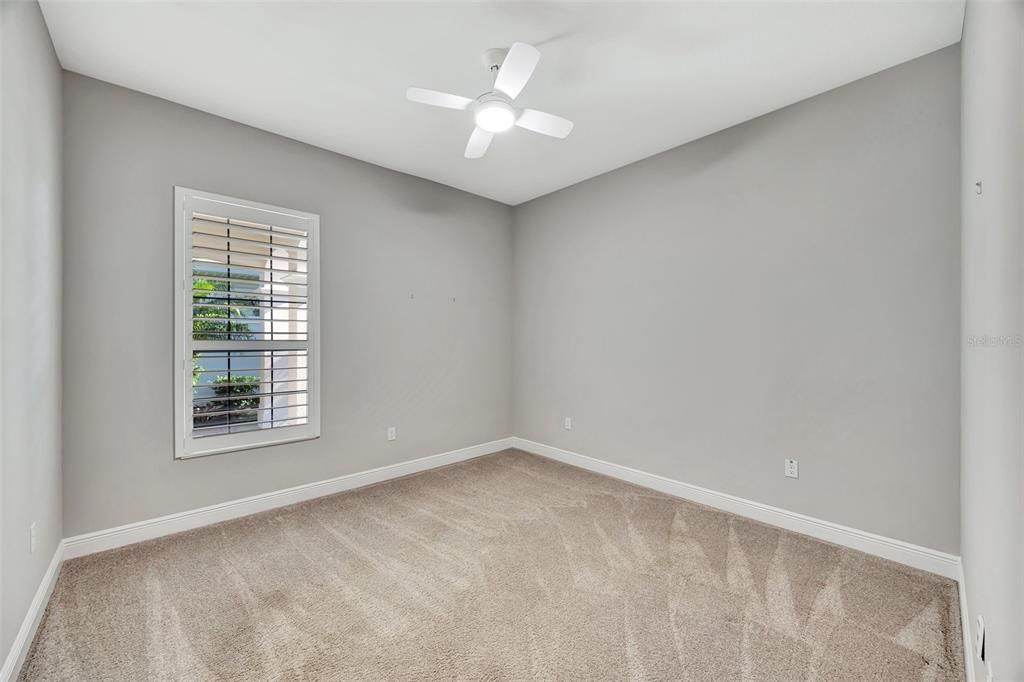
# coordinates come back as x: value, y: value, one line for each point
x: 219, y: 329
x: 229, y: 391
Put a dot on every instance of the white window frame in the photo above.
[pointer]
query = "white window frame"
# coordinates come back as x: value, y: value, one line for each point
x: 187, y: 201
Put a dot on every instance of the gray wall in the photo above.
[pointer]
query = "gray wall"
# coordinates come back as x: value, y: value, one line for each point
x: 992, y: 459
x: 785, y: 288
x: 438, y: 370
x: 30, y: 455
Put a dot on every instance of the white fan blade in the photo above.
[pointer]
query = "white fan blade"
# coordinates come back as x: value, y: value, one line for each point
x: 478, y: 143
x: 516, y: 69
x: 545, y: 124
x: 437, y: 99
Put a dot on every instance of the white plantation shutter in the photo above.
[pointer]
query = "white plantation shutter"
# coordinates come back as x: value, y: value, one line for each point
x: 247, y: 324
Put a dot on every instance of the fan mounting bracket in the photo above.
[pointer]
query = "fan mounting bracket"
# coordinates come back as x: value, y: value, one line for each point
x: 494, y: 57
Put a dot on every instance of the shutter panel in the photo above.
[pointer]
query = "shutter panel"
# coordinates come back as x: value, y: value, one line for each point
x: 250, y: 328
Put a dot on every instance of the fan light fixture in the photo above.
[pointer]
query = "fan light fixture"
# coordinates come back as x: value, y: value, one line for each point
x: 495, y: 111
x: 495, y: 117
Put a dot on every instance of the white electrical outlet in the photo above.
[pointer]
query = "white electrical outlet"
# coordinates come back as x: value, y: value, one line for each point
x: 32, y: 538
x: 568, y: 423
x: 392, y: 433
x: 792, y: 468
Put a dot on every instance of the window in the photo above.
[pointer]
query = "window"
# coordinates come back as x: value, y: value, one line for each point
x: 247, y: 320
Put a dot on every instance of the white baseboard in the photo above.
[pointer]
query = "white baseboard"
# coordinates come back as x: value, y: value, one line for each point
x: 896, y: 550
x: 923, y: 558
x: 131, y: 533
x: 965, y: 623
x: 27, y: 631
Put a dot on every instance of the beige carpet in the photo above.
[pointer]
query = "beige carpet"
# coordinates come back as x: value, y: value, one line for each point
x: 507, y: 567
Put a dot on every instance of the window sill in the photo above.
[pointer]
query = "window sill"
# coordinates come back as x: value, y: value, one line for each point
x: 206, y: 452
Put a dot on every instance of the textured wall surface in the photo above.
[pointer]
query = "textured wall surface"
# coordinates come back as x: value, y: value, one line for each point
x: 787, y: 288
x: 30, y: 244
x: 396, y: 349
x: 992, y: 460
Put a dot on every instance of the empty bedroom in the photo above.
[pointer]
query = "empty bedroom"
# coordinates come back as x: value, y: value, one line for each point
x: 512, y: 340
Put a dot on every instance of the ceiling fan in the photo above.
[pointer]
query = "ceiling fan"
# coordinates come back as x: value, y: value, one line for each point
x: 495, y: 110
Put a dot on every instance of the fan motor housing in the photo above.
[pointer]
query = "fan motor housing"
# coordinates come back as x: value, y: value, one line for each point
x: 491, y: 97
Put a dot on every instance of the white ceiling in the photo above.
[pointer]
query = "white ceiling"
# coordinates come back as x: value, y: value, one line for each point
x: 637, y: 78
